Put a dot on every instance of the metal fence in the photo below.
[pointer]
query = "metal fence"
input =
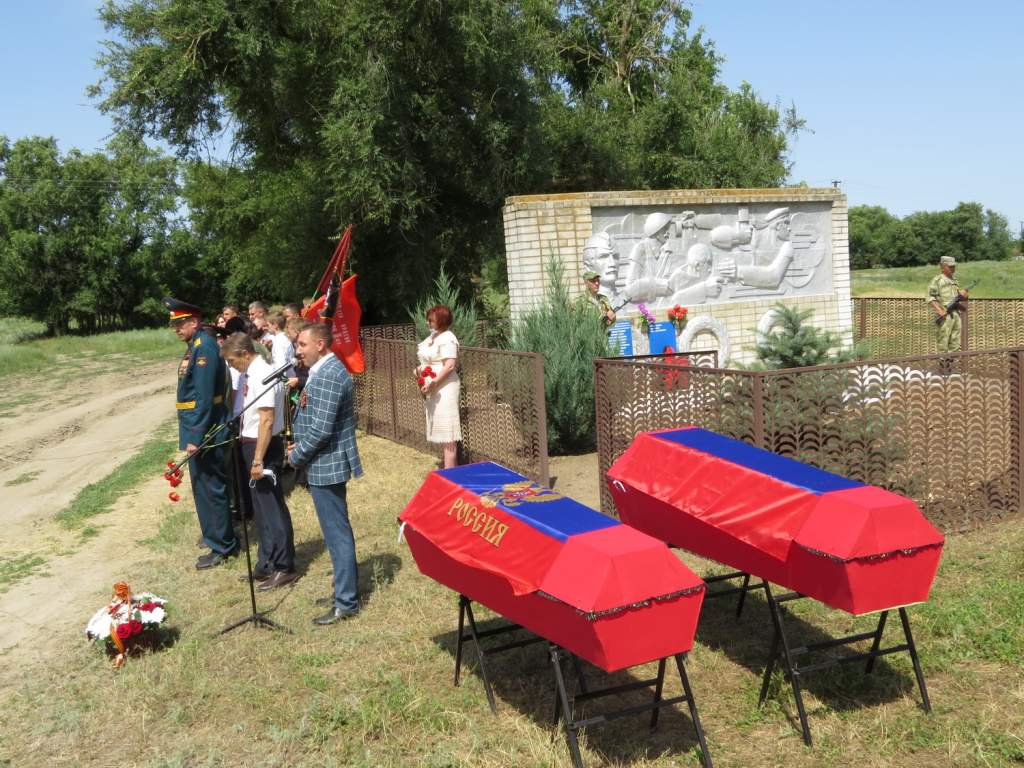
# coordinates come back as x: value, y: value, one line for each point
x: 501, y: 403
x: 945, y: 430
x: 905, y: 326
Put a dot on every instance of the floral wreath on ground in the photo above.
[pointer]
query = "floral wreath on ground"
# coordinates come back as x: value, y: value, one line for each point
x: 128, y: 623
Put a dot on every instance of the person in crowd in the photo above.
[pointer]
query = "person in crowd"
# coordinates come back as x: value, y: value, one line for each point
x: 325, y: 444
x: 220, y: 321
x: 300, y: 372
x: 229, y: 311
x: 282, y: 350
x: 201, y: 411
x: 263, y: 455
x: 291, y: 310
x: 440, y: 353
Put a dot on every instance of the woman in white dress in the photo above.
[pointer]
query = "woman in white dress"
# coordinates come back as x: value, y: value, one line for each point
x: 440, y: 352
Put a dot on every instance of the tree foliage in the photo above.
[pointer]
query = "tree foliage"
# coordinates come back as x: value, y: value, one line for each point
x: 463, y: 313
x: 88, y: 238
x: 569, y: 334
x: 968, y: 233
x: 793, y: 343
x: 414, y: 120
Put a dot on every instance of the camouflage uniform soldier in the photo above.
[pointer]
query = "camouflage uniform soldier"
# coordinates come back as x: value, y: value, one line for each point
x: 599, y: 300
x: 941, y: 291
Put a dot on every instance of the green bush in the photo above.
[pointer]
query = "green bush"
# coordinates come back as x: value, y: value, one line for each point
x: 569, y: 334
x: 794, y: 344
x: 463, y: 315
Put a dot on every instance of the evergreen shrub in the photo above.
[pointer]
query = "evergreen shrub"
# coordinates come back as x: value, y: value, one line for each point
x: 463, y: 314
x: 569, y: 334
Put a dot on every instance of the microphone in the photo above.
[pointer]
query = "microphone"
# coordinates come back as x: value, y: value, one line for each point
x: 279, y: 372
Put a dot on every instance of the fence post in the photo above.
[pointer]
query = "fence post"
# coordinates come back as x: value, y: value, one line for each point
x: 1017, y: 422
x: 964, y: 336
x: 540, y: 401
x: 392, y: 369
x: 757, y: 401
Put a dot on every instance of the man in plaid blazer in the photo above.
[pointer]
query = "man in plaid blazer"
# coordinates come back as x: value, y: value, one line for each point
x: 325, y: 444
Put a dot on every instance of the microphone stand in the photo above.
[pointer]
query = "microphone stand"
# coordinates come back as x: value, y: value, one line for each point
x: 234, y: 425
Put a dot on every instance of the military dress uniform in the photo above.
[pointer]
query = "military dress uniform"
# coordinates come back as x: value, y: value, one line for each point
x: 943, y: 290
x: 201, y: 406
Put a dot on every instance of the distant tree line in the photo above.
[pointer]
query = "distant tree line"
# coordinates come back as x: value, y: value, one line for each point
x: 413, y: 120
x: 968, y: 232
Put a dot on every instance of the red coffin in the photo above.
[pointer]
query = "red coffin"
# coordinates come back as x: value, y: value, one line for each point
x: 852, y: 546
x: 600, y: 589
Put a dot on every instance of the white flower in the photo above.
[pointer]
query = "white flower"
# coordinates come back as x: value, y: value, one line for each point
x: 152, y: 617
x: 99, y: 624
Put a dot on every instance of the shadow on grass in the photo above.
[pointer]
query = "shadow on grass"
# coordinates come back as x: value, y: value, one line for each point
x: 523, y: 679
x: 747, y: 642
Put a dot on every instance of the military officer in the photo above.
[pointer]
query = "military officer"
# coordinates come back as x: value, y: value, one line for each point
x: 941, y: 291
x: 599, y: 300
x: 201, y: 409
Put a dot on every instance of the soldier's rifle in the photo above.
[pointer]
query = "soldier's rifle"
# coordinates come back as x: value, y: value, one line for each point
x: 954, y: 305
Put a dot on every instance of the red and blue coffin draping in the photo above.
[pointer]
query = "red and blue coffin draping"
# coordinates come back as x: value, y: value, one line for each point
x: 852, y: 546
x: 598, y: 588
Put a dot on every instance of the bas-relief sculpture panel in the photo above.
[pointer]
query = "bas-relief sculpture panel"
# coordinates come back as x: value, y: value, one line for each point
x: 662, y: 256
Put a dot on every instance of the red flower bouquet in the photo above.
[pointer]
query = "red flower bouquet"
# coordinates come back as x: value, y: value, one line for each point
x: 426, y: 373
x: 678, y: 317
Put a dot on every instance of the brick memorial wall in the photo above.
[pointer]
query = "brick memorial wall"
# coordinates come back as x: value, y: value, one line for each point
x: 728, y: 256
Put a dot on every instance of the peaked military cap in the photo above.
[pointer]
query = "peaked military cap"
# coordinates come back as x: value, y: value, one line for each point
x: 181, y: 309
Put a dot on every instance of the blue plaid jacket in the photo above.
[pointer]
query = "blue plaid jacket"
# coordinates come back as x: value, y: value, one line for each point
x: 325, y: 428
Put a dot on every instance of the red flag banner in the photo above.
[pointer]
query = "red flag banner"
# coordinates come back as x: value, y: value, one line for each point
x: 344, y: 326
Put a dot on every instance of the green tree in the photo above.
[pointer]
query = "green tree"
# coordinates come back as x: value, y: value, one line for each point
x: 84, y: 238
x: 463, y: 313
x: 414, y: 120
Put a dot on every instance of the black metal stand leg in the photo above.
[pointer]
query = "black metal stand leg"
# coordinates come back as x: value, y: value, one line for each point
x: 692, y: 703
x: 463, y: 602
x: 769, y: 668
x: 658, y: 687
x: 876, y: 642
x: 787, y: 664
x: 480, y: 656
x: 743, y: 595
x: 255, y: 617
x: 915, y: 660
x: 563, y: 700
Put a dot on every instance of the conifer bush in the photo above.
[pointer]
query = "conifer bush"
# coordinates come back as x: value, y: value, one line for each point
x: 569, y: 334
x: 795, y: 344
x: 463, y: 313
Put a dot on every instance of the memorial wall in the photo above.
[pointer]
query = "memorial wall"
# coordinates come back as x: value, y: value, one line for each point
x: 727, y: 256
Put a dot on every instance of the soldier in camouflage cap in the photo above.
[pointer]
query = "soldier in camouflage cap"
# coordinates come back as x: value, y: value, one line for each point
x: 941, y: 291
x: 599, y: 300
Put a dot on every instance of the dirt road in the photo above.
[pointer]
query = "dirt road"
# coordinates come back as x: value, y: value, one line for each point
x: 70, y: 434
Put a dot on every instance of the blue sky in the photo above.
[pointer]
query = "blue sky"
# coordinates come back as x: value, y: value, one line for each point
x: 914, y: 105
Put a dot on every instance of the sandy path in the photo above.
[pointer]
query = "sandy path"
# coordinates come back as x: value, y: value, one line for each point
x: 66, y: 438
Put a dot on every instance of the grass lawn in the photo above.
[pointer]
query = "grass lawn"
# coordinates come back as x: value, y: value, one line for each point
x: 998, y: 280
x: 377, y: 690
x: 25, y: 351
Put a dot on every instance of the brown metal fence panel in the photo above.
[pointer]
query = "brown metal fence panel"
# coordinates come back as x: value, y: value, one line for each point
x: 944, y: 430
x: 501, y: 402
x: 892, y: 327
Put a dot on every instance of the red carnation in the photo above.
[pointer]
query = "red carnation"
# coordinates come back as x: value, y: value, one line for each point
x: 170, y: 464
x: 420, y: 381
x: 173, y: 496
x: 175, y: 482
x: 168, y: 475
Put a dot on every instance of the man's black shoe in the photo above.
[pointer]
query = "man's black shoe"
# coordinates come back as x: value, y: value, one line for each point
x: 334, y: 615
x: 278, y: 579
x: 212, y: 560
